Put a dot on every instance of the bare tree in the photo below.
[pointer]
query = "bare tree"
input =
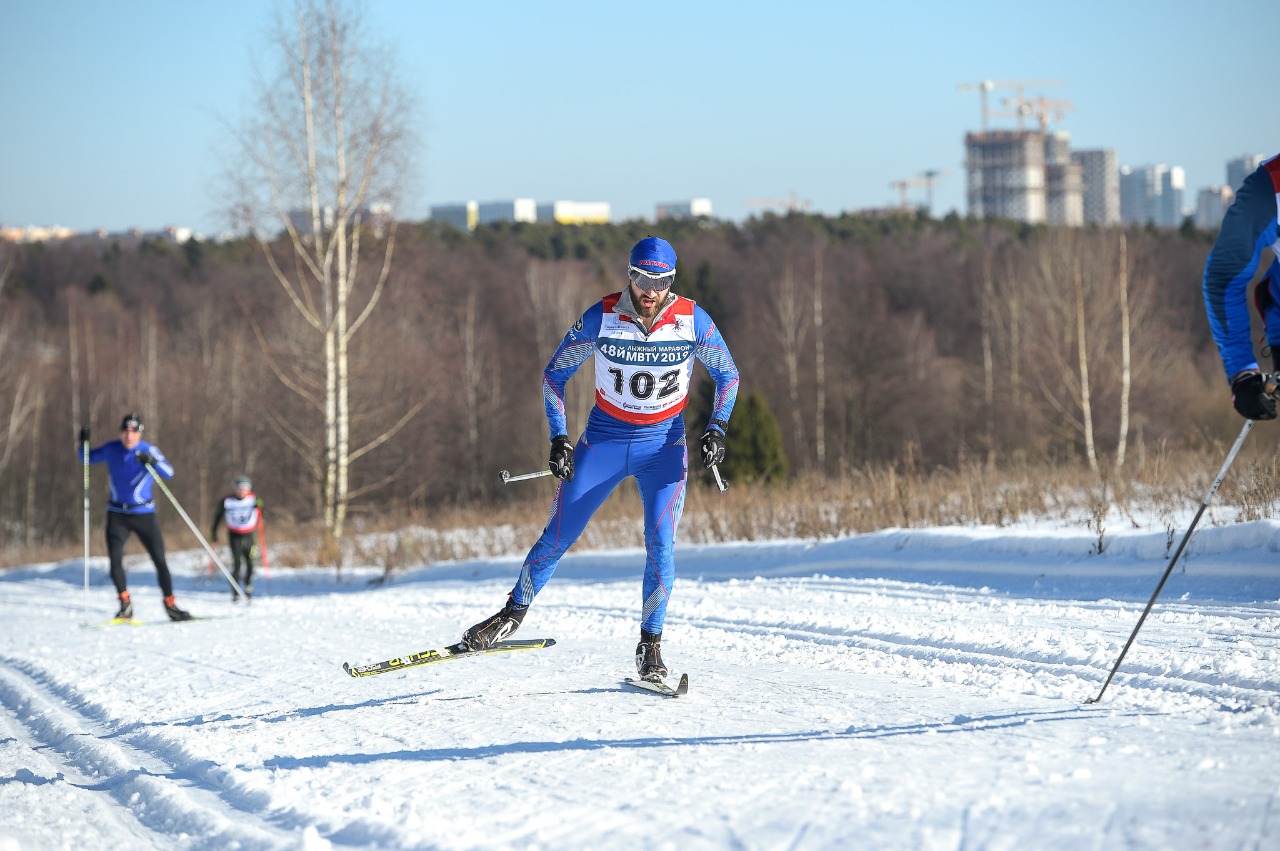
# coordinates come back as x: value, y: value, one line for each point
x: 323, y: 161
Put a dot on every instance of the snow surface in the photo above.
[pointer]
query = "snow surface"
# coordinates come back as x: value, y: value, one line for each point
x: 903, y: 689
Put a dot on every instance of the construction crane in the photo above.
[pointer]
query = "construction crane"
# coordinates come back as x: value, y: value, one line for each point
x: 902, y: 186
x: 790, y: 204
x: 1044, y: 109
x: 928, y: 179
x: 985, y: 87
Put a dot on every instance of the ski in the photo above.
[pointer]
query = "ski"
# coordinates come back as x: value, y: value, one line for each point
x: 453, y: 651
x: 136, y: 622
x: 662, y: 688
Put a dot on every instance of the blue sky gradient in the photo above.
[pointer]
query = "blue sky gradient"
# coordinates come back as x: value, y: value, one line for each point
x: 118, y: 115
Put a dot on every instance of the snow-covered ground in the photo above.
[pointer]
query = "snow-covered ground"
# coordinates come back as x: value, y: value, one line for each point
x: 905, y: 689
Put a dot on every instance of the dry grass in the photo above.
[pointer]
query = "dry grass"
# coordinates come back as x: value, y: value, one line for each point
x: 806, y: 507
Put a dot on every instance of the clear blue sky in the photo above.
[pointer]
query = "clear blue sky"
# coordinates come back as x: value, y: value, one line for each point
x: 115, y: 114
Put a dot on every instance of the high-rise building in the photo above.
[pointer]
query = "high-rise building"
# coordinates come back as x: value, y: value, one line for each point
x: 518, y: 210
x: 1152, y: 194
x: 1101, y: 192
x: 1211, y: 206
x: 464, y: 216
x: 1240, y: 168
x: 695, y: 208
x: 575, y: 212
x: 1006, y: 175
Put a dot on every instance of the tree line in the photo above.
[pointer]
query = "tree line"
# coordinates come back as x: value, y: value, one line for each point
x: 901, y: 340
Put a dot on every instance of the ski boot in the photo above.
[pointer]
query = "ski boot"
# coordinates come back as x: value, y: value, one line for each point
x: 126, y: 607
x: 493, y: 629
x: 649, y: 657
x: 174, y: 613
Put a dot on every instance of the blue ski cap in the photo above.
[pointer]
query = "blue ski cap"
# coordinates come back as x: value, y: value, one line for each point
x: 653, y: 257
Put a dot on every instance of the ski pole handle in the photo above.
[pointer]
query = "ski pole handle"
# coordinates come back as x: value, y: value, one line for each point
x: 720, y: 483
x: 508, y: 478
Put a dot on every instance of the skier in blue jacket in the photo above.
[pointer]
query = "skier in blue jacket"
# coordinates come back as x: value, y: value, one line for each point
x: 1248, y: 229
x: 131, y: 509
x: 644, y: 340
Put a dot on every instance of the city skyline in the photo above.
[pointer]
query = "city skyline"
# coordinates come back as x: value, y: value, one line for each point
x: 120, y: 117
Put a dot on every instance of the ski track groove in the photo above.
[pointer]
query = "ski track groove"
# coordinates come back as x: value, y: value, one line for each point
x: 186, y: 804
x: 1150, y: 679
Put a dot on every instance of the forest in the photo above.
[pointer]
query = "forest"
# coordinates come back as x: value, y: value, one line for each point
x: 897, y: 342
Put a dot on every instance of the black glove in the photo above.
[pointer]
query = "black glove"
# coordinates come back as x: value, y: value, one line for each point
x: 1250, y: 397
x: 145, y: 457
x: 712, y: 447
x: 84, y: 434
x: 561, y: 461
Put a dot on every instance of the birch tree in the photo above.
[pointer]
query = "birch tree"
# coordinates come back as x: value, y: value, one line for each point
x: 323, y: 158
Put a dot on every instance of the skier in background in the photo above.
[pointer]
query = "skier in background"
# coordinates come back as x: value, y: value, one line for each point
x: 131, y: 509
x: 242, y: 512
x: 1249, y: 228
x: 644, y: 339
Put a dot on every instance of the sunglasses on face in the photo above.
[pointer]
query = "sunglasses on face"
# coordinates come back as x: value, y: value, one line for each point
x: 645, y: 282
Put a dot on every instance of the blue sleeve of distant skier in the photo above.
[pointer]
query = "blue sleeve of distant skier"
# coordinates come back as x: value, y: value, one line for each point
x: 1248, y: 227
x: 577, y: 345
x: 162, y: 465
x: 714, y: 354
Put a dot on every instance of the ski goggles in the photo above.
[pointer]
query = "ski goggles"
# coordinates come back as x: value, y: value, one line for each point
x: 646, y: 282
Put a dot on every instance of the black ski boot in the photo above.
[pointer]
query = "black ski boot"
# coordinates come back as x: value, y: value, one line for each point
x: 649, y: 657
x: 174, y: 613
x: 235, y: 595
x: 493, y: 629
x: 126, y: 608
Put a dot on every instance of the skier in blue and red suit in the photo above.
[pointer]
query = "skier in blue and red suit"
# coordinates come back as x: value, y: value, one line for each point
x: 1248, y: 229
x: 131, y: 509
x: 645, y: 340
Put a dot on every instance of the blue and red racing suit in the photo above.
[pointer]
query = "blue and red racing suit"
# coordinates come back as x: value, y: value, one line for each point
x: 634, y: 429
x: 1249, y: 227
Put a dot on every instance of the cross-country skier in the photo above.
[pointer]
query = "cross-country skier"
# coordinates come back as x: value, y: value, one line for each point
x: 131, y: 509
x: 644, y: 339
x: 1248, y: 229
x: 242, y: 511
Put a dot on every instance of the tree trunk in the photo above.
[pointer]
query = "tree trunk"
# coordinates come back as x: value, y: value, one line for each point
x: 1086, y: 410
x: 1125, y: 359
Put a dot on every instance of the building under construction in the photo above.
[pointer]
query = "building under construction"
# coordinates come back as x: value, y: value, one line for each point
x: 1024, y: 175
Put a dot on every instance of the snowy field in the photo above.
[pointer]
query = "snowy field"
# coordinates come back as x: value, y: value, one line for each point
x: 900, y: 690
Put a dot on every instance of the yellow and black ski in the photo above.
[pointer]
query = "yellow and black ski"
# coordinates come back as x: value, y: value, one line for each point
x: 454, y: 651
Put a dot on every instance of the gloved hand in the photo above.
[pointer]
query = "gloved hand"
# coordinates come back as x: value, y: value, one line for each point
x: 84, y: 434
x: 145, y: 457
x: 561, y: 461
x: 712, y: 447
x: 1250, y: 398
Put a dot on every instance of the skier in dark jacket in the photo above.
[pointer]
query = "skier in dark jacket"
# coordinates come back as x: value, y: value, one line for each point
x: 241, y: 510
x: 645, y: 340
x: 1248, y: 229
x: 131, y: 509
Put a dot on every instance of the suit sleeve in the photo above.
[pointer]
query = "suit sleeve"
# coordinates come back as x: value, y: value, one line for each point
x: 575, y: 348
x: 1248, y: 228
x: 714, y: 354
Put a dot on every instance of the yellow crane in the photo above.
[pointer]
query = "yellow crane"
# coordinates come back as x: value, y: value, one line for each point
x: 791, y: 204
x: 985, y: 87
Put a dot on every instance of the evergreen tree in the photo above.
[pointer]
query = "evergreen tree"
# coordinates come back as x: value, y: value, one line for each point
x: 754, y: 446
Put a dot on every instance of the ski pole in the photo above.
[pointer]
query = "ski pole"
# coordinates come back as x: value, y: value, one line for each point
x: 720, y: 483
x: 1222, y: 474
x: 262, y: 541
x: 165, y: 488
x: 84, y: 447
x: 507, y: 477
